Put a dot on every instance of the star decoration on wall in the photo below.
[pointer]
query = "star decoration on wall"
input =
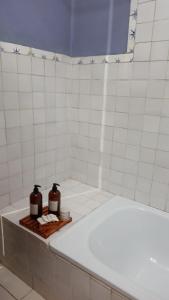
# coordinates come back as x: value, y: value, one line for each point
x: 16, y: 51
x: 132, y: 34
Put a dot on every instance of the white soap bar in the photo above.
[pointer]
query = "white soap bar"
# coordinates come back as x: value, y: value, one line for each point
x: 41, y: 222
x: 53, y: 218
x: 50, y: 218
x: 45, y: 219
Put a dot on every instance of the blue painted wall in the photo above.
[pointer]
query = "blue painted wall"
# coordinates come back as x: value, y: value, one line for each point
x: 72, y: 27
x: 42, y: 24
x: 99, y: 27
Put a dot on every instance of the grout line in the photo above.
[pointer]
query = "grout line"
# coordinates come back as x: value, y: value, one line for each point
x: 2, y: 286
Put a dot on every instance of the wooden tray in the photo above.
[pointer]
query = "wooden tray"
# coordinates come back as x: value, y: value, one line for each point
x: 43, y: 230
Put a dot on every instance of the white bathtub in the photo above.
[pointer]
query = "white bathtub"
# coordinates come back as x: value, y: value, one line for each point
x: 124, y: 243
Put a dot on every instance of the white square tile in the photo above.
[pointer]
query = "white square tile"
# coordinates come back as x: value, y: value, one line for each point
x: 10, y: 100
x: 153, y: 106
x: 161, y: 174
x: 14, y: 151
x: 12, y: 118
x: 158, y: 70
x: 37, y: 66
x: 15, y: 183
x: 142, y: 51
x: 15, y: 167
x: 159, y: 31
x: 156, y: 89
x: 147, y: 155
x: 144, y: 32
x: 25, y: 100
x: 151, y: 123
x: 26, y: 117
x: 60, y: 85
x: 159, y: 50
x: 38, y: 100
x: 162, y: 10
x: 39, y: 116
x: 38, y: 83
x: 162, y: 158
x: 138, y: 88
x: 49, y: 67
x: 149, y: 140
x: 143, y: 185
x: 141, y: 70
x: 163, y: 142
x: 13, y: 135
x: 50, y: 84
x: 25, y: 84
x: 145, y: 170
x: 9, y: 63
x: 28, y: 148
x: 10, y: 82
x: 24, y: 64
x: 146, y: 12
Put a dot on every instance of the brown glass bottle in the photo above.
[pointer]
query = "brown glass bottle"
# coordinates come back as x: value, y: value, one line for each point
x: 36, y: 203
x: 54, y: 199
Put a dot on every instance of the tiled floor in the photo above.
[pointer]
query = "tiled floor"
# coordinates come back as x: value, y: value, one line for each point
x: 12, y: 288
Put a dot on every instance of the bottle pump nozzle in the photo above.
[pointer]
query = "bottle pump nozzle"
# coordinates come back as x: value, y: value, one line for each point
x: 54, y: 189
x: 36, y: 186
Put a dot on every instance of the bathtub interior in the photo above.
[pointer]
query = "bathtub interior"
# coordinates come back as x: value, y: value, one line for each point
x: 134, y: 244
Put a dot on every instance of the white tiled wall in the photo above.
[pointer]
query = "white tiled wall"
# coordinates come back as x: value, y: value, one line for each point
x: 34, y: 141
x: 119, y: 115
x: 113, y: 117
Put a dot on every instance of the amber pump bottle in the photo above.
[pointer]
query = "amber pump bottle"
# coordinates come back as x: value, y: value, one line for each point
x: 36, y: 203
x: 54, y: 200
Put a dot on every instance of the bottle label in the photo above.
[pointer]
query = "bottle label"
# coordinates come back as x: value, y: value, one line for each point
x: 34, y: 209
x: 53, y: 206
